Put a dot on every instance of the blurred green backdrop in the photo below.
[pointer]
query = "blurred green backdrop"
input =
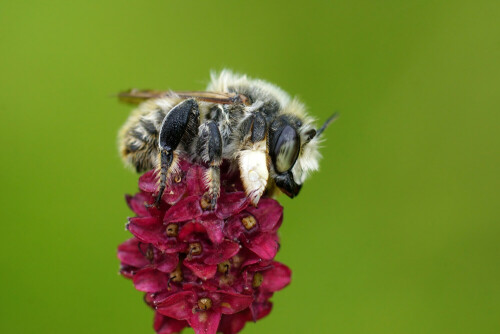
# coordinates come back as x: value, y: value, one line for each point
x: 398, y: 233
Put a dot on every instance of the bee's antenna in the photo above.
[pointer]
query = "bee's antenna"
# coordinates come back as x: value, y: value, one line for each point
x: 329, y: 121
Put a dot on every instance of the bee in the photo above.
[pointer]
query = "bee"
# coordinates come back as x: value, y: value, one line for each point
x: 254, y: 125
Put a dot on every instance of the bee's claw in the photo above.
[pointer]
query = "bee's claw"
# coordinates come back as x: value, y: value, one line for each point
x: 156, y: 203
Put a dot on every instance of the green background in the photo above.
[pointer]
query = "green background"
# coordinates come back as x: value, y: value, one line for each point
x: 398, y: 233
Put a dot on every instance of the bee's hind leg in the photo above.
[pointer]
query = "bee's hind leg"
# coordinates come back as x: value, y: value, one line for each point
x: 174, y: 127
x: 253, y: 157
x: 209, y: 148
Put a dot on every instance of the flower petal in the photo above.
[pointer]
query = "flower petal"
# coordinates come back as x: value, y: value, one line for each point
x: 172, y: 246
x: 276, y: 278
x: 189, y: 229
x: 233, y: 228
x: 234, y: 323
x: 186, y: 209
x: 200, y: 269
x: 260, y: 310
x: 138, y: 203
x: 129, y: 254
x: 205, y: 322
x: 150, y: 280
x: 174, y: 192
x: 155, y: 299
x: 148, y: 182
x: 224, y: 251
x: 269, y: 214
x: 232, y: 302
x: 167, y: 263
x: 251, y: 258
x: 166, y: 325
x: 230, y: 204
x: 154, y: 234
x: 145, y: 221
x: 178, y: 306
x: 264, y: 245
x: 214, y: 228
x: 146, y: 229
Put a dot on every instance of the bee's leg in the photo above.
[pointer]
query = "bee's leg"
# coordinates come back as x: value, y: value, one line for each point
x: 209, y: 147
x: 173, y: 128
x: 253, y: 156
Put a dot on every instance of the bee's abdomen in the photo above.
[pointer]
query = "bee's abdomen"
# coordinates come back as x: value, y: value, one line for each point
x: 139, y: 140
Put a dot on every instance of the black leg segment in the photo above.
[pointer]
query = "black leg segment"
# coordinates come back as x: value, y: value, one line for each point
x: 174, y: 125
x: 214, y: 143
x: 209, y: 147
x: 173, y: 129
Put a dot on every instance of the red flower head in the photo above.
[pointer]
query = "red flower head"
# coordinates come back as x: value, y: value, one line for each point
x: 211, y: 269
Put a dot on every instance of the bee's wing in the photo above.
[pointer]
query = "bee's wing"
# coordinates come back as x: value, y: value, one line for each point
x: 135, y: 96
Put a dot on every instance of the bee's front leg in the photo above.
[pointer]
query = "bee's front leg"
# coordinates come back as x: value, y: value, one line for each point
x: 253, y: 156
x: 209, y: 148
x: 173, y: 129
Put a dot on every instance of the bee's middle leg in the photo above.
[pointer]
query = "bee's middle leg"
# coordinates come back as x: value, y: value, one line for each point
x: 173, y: 129
x: 209, y: 147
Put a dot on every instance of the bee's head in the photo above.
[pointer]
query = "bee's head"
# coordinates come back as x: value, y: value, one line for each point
x: 293, y: 148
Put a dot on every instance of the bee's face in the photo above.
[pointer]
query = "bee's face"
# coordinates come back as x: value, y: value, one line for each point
x: 289, y: 148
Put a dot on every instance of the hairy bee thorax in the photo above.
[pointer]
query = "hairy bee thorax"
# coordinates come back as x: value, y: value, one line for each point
x: 252, y: 124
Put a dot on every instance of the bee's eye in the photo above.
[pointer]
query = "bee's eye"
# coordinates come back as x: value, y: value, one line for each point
x: 286, y: 149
